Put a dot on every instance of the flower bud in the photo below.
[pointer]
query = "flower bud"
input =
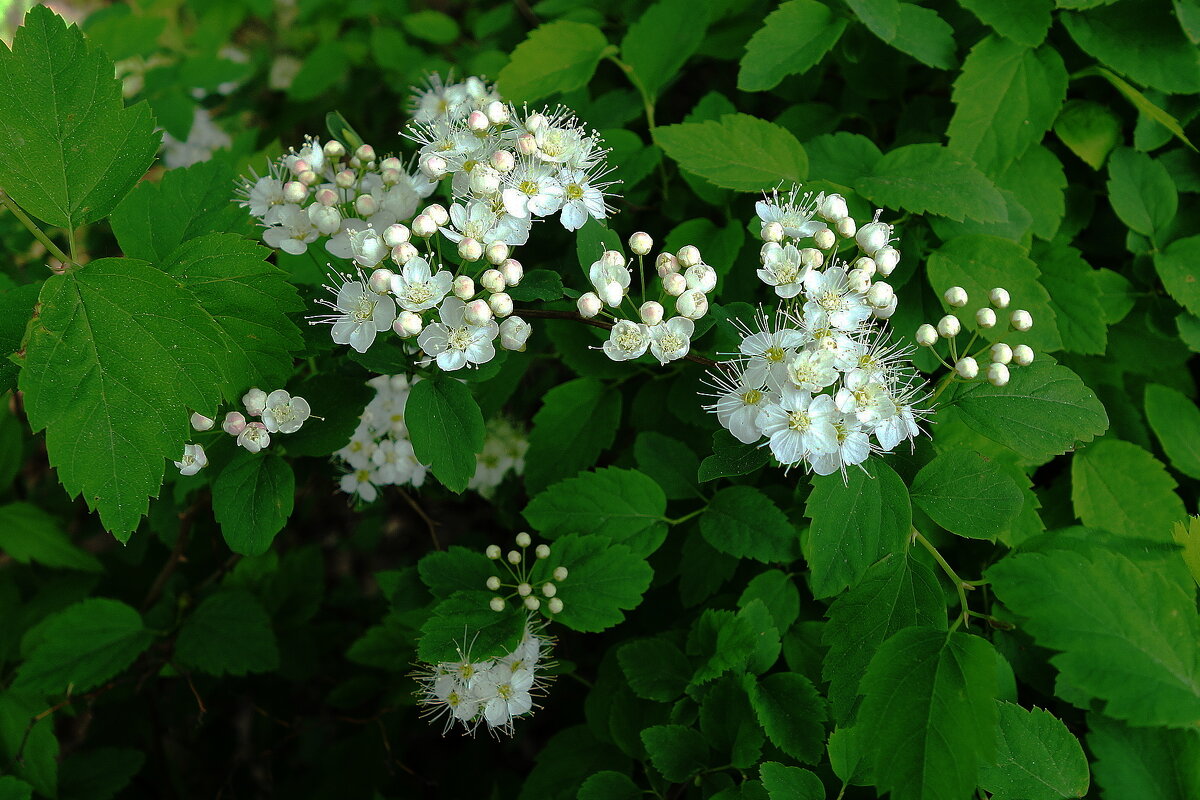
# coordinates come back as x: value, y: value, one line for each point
x: 692, y: 304
x: 688, y: 255
x: 513, y: 557
x: 666, y: 264
x: 344, y: 179
x: 497, y: 253
x: 589, y: 305
x: 985, y: 318
x: 201, y: 422
x: 485, y: 180
x: 880, y: 294
x: 612, y: 258
x: 334, y: 149
x: 542, y: 551
x: 366, y: 205
x: 512, y: 271
x: 674, y: 284
x: 326, y: 219
x: 613, y: 294
x: 555, y: 605
x: 295, y: 192
x: 391, y: 162
x: 811, y: 257
x: 496, y: 604
x: 948, y: 326
x: 424, y: 226
x: 396, y: 234
x: 493, y: 583
x: 434, y: 167
x: 470, y: 249
x: 526, y: 144
x: 365, y: 153
x: 403, y: 253
x: 927, y: 335
x: 514, y: 333
x: 307, y: 178
x: 524, y: 589
x: 833, y: 208
x: 478, y: 312
x: 439, y: 213
x: 536, y: 121
x: 234, y: 423
x: 326, y: 196
x: 997, y: 374
x: 858, y: 280
x: 390, y: 177
x: 1021, y: 320
x: 999, y: 297
x: 380, y: 280
x: 640, y: 243
x: 478, y: 122
x: 300, y: 165
x: 824, y: 238
x: 955, y: 296
x: 492, y: 552
x: 886, y: 260
x: 255, y: 401
x: 846, y: 227
x: 866, y: 264
x: 463, y: 287
x: 887, y: 311
x: 549, y: 589
x: 772, y: 232
x: 967, y: 367
x: 651, y: 312
x: 492, y: 280
x: 873, y: 237
x: 560, y: 574
x: 503, y: 161
x: 1022, y: 355
x: 501, y: 304
x: 497, y: 112
x: 701, y: 277
x: 407, y: 324
x: 532, y: 603
x: 523, y: 540
x: 1001, y: 353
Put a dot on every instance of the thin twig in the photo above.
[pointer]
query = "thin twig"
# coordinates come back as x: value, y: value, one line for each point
x: 541, y: 313
x: 178, y: 555
x: 429, y: 521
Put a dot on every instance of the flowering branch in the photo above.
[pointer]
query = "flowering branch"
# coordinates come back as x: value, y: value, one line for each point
x: 596, y: 323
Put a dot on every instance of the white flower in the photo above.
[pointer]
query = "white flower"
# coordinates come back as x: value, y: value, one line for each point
x: 768, y: 353
x: 359, y: 482
x: 514, y: 333
x: 738, y: 403
x: 289, y: 229
x: 812, y: 371
x: 367, y: 247
x: 480, y: 221
x: 782, y: 269
x: 865, y: 397
x: 454, y: 343
x: 831, y: 301
x: 254, y: 437
x: 799, y: 425
x: 583, y: 197
x: 417, y: 288
x: 284, y: 413
x: 852, y: 447
x: 627, y: 340
x: 360, y: 314
x: 603, y: 272
x: 795, y: 213
x: 504, y: 696
x: 531, y: 189
x: 671, y: 340
x: 438, y: 99
x: 194, y: 460
x: 262, y: 194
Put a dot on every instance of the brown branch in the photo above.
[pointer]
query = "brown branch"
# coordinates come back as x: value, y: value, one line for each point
x: 178, y: 555
x: 429, y: 521
x: 541, y: 313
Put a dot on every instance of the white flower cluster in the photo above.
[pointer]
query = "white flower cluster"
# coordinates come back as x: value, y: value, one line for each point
x: 380, y: 452
x: 322, y: 190
x: 494, y: 692
x: 818, y: 380
x: 504, y: 448
x: 204, y: 138
x: 999, y: 354
x: 278, y: 412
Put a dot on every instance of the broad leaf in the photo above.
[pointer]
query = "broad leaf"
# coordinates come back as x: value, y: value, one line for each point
x: 464, y: 625
x: 967, y: 494
x: 447, y: 429
x: 229, y: 633
x: 1176, y: 422
x: 1121, y: 488
x: 1038, y: 183
x: 642, y: 48
x: 731, y: 458
x: 36, y: 745
x: 1176, y: 265
x: 925, y: 36
x: 1144, y: 762
x: 556, y: 57
x: 456, y: 569
x: 1037, y: 758
x: 670, y: 462
x: 604, y: 579
x: 793, y: 39
x: 739, y: 152
x: 81, y: 647
x: 678, y: 752
x: 577, y: 420
x: 931, y: 179
x: 728, y: 723
x: 252, y: 499
x: 29, y: 534
x: 791, y: 712
x: 1137, y: 39
x: 1141, y: 191
x: 743, y: 522
x: 790, y: 783
x: 655, y: 668
x: 1074, y: 297
x: 1024, y: 21
x: 612, y: 502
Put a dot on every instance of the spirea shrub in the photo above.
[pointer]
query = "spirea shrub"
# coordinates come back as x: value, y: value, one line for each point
x: 600, y: 400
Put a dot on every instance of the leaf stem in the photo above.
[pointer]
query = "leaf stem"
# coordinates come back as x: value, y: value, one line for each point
x: 687, y: 516
x: 32, y: 227
x: 959, y: 585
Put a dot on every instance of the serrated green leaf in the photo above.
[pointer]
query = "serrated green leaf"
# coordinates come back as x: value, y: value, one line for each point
x: 924, y: 35
x: 790, y: 783
x: 1024, y: 21
x: 604, y: 579
x: 1144, y: 762
x: 1177, y: 266
x: 1037, y: 758
x: 229, y: 633
x: 36, y: 745
x: 1121, y: 488
x: 854, y: 524
x: 793, y: 39
x: 457, y: 568
x: 967, y: 494
x: 642, y: 48
x: 28, y: 533
x: 730, y: 458
x: 16, y: 307
x: 1141, y: 191
x: 1142, y: 103
x: 609, y: 785
x: 931, y: 179
x: 1044, y: 410
x: 1038, y: 183
x: 555, y: 57
x: 743, y: 522
x: 881, y: 17
x: 1074, y: 297
x: 252, y: 499
x: 1176, y: 422
x: 720, y: 641
x: 538, y: 284
x: 678, y: 752
x: 791, y: 712
x: 1137, y: 39
x: 1187, y: 536
x: 69, y: 149
x: 728, y: 723
x: 740, y: 152
x: 432, y: 26
x: 655, y: 668
x: 447, y: 429
x: 777, y: 591
x: 134, y: 352
x: 1005, y: 98
x: 1089, y: 129
x: 81, y: 647
x: 929, y: 714
x: 464, y: 624
x: 577, y: 421
x: 670, y: 462
x: 895, y: 594
x: 612, y: 502
x: 1126, y: 635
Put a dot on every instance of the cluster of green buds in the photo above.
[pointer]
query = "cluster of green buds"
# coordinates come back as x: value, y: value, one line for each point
x: 999, y: 354
x: 521, y: 570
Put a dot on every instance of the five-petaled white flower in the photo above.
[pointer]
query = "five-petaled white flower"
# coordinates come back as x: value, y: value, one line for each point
x: 417, y: 288
x: 454, y: 342
x: 627, y: 340
x: 284, y: 413
x: 672, y: 339
x: 799, y: 426
x: 194, y: 460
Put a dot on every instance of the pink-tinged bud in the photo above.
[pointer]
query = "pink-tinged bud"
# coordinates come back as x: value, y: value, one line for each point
x: 391, y: 162
x: 234, y: 423
x: 614, y: 293
x: 470, y: 249
x: 497, y: 112
x: 308, y: 177
x: 327, y: 197
x: 478, y: 312
x: 294, y: 192
x: 512, y: 271
x: 665, y: 264
x: 688, y: 255
x: 497, y: 253
x: 439, y: 213
x: 403, y: 253
x: 395, y: 234
x: 334, y: 149
x: 692, y: 304
x: 366, y: 205
x: 407, y: 324
x: 478, y: 121
x: 501, y: 304
x: 589, y: 304
x: 612, y: 258
x: 503, y: 161
x: 344, y: 179
x: 514, y: 333
x: 380, y: 280
x: 391, y: 177
x: 526, y: 144
x: 424, y: 226
x: 365, y: 153
x: 640, y: 243
x: 492, y: 280
x: 463, y: 287
x: 300, y: 165
x: 651, y: 312
x: 255, y: 401
x: 434, y: 167
x: 201, y: 422
x: 674, y: 284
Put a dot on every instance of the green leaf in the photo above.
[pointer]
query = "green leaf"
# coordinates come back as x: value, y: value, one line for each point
x: 247, y: 300
x: 929, y: 716
x: 791, y: 712
x: 730, y: 458
x: 1137, y: 39
x: 341, y: 402
x: 29, y: 534
x: 1141, y: 191
x: 229, y: 633
x: 728, y: 723
x: 1005, y: 99
x: 81, y: 647
x: 678, y: 752
x: 854, y: 524
x: 134, y: 351
x: 1177, y: 267
x: 1142, y: 103
x: 1024, y: 21
x: 1075, y: 298
x: 978, y: 263
x: 325, y: 66
x: 790, y: 783
x: 1089, y: 129
x: 252, y: 499
x: 556, y: 57
x: 577, y: 421
x: 457, y: 568
x: 609, y: 785
x: 36, y: 744
x: 538, y: 284
x: 1044, y: 410
x: 895, y: 594
x: 670, y: 462
x: 155, y: 218
x: 793, y: 39
x: 1119, y: 487
x: 1144, y: 762
x: 1127, y: 636
x: 720, y: 641
x: 777, y: 591
x: 1037, y: 758
x: 432, y: 26
x: 447, y: 429
x: 655, y: 668
x: 743, y: 522
x: 967, y: 494
x: 880, y: 16
x: 604, y: 578
x: 925, y: 36
x: 14, y: 789
x: 1187, y: 536
x: 931, y: 179
x: 16, y: 307
x: 1176, y: 422
x: 69, y: 149
x: 612, y: 502
x: 463, y: 624
x: 642, y: 48
x: 1038, y: 183
x: 739, y: 152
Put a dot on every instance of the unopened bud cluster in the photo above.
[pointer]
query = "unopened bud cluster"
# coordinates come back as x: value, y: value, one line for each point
x: 530, y: 593
x: 998, y: 356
